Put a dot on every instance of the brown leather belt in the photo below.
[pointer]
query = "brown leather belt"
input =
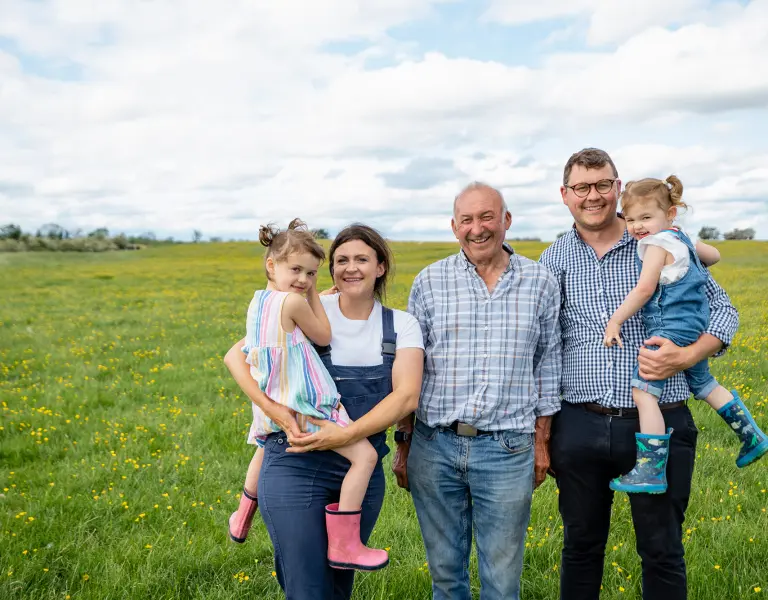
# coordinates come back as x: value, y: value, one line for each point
x: 624, y: 412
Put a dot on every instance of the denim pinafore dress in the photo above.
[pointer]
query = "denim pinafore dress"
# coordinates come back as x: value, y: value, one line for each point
x: 679, y: 312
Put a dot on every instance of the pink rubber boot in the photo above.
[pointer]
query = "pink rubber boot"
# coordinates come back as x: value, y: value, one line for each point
x: 240, y: 520
x: 345, y: 550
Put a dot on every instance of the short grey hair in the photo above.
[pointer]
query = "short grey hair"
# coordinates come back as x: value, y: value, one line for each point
x: 479, y: 185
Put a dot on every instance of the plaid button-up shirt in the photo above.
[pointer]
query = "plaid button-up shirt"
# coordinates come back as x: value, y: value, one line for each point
x: 492, y: 359
x: 592, y: 289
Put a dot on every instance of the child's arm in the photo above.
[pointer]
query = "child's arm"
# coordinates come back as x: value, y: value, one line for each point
x: 709, y: 255
x: 310, y: 316
x: 653, y: 263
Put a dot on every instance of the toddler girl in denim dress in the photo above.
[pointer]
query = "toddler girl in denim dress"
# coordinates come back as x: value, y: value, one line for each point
x: 671, y: 293
x: 282, y: 323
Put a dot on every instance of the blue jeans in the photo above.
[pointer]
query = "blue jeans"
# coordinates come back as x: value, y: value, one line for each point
x: 457, y: 482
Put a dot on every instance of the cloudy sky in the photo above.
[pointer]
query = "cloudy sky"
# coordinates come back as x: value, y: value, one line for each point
x: 174, y: 115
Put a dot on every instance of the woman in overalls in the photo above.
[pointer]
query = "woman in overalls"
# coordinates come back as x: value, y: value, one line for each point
x: 376, y: 359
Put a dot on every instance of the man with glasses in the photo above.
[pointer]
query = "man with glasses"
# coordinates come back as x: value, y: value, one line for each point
x: 593, y: 437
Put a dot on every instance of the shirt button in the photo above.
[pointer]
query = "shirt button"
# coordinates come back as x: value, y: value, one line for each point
x: 486, y: 328
x: 599, y: 290
x: 604, y: 315
x: 486, y: 356
x: 610, y: 364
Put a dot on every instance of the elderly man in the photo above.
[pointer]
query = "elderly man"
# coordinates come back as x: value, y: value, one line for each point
x: 593, y: 437
x: 489, y: 318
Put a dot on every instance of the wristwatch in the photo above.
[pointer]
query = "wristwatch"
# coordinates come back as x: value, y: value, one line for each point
x: 403, y: 436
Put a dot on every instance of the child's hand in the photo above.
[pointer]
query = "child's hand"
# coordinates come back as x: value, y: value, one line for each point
x: 311, y: 285
x: 330, y: 291
x: 612, y: 335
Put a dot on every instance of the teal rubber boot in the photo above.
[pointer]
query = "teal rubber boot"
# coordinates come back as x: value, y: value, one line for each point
x: 754, y: 441
x: 649, y: 475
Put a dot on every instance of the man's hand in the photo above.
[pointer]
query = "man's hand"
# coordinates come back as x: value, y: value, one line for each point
x: 541, y: 449
x: 665, y: 362
x: 540, y: 462
x: 400, y: 464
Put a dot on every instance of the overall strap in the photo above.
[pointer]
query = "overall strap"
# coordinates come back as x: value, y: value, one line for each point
x: 322, y: 350
x: 688, y: 244
x: 388, y: 337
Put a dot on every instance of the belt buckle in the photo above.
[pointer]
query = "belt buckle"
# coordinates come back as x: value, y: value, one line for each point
x: 620, y: 412
x: 466, y: 430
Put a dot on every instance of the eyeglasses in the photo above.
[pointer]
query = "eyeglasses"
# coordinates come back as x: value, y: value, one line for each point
x: 582, y: 189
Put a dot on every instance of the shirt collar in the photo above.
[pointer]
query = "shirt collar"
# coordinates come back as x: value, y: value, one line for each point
x: 626, y: 238
x: 467, y: 264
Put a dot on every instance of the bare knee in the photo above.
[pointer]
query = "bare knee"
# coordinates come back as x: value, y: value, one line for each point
x: 365, y: 456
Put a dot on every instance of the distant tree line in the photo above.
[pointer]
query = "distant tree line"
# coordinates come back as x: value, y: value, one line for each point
x: 55, y: 238
x: 713, y: 233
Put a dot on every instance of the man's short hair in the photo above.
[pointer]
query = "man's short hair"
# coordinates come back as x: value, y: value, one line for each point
x: 589, y: 158
x: 479, y: 185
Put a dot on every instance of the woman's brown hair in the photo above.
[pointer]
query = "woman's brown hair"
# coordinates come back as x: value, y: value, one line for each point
x: 373, y: 239
x: 667, y: 192
x: 281, y: 244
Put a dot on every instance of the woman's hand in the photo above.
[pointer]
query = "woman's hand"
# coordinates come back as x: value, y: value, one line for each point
x: 329, y: 437
x: 285, y: 419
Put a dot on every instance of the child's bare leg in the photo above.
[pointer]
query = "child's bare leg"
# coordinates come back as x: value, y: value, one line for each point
x: 240, y: 520
x: 363, y: 457
x: 651, y: 421
x: 719, y: 397
x: 254, y: 468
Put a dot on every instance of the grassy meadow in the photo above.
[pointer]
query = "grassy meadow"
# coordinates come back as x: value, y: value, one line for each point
x: 122, y: 438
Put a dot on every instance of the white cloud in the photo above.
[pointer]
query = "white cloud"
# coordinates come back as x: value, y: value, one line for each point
x: 188, y: 116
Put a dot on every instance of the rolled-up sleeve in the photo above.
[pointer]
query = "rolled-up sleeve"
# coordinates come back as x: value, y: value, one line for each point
x: 547, y: 360
x: 723, y: 316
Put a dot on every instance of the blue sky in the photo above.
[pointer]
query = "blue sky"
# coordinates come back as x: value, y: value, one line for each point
x: 175, y: 116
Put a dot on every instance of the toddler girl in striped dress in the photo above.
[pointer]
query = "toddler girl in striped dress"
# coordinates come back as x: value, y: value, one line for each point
x: 281, y: 321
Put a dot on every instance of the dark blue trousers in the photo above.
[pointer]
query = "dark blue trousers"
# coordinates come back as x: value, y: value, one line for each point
x: 587, y: 451
x: 293, y: 492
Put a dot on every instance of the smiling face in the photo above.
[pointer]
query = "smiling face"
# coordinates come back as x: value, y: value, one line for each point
x: 480, y: 224
x: 645, y: 217
x: 596, y: 211
x: 295, y: 273
x: 356, y: 268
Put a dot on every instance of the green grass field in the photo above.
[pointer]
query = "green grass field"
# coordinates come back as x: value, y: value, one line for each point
x: 122, y: 438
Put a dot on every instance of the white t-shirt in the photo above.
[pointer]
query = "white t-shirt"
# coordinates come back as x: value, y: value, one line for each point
x: 679, y: 251
x: 358, y: 343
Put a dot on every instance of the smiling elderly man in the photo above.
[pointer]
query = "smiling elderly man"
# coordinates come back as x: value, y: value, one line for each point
x: 489, y: 318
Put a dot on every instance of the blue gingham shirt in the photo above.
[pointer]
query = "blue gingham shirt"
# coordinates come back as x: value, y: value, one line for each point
x: 591, y: 290
x: 492, y: 359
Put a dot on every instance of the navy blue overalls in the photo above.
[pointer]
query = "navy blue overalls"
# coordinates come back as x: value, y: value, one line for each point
x: 295, y: 488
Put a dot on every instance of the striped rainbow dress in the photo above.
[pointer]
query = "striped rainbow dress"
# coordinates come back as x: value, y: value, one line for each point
x: 287, y: 369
